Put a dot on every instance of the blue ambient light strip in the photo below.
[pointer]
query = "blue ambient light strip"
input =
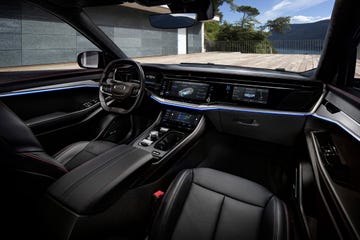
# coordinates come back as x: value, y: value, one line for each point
x: 46, y: 90
x: 209, y: 108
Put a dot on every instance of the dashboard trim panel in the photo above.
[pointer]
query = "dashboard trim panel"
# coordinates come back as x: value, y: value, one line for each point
x: 341, y: 119
x: 202, y: 107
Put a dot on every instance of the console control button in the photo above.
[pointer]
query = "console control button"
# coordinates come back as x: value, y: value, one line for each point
x: 146, y: 142
x: 154, y: 135
x: 164, y: 129
x: 156, y: 153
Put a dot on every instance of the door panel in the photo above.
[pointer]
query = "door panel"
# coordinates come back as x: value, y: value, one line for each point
x: 53, y: 107
x: 333, y: 140
x: 59, y: 114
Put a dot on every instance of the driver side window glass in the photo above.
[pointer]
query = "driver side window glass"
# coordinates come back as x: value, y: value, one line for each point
x: 32, y: 39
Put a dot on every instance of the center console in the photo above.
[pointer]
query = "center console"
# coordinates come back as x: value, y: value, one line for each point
x: 171, y: 129
x: 94, y: 194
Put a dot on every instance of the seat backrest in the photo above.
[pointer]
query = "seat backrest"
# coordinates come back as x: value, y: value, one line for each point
x: 20, y: 149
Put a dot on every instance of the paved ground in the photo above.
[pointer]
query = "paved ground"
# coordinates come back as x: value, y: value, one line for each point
x: 297, y: 63
x: 291, y: 62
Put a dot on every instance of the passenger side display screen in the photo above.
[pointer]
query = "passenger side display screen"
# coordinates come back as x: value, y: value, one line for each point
x: 188, y: 90
x: 251, y: 95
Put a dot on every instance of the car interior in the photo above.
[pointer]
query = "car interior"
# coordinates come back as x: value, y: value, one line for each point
x: 127, y: 150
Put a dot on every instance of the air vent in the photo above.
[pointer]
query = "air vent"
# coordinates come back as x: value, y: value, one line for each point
x: 153, y: 81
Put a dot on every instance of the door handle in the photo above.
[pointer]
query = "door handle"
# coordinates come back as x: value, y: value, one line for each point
x: 247, y: 122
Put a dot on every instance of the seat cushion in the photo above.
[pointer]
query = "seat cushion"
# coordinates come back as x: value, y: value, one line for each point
x: 207, y: 204
x: 80, y: 152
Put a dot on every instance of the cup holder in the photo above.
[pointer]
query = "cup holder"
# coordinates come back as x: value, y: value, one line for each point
x: 169, y: 141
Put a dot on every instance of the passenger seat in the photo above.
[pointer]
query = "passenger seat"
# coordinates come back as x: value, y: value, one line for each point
x: 206, y: 204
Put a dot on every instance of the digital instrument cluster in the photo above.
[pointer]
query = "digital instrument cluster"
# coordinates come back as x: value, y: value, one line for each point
x: 187, y: 90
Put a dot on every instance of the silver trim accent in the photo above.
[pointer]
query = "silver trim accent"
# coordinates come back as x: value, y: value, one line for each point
x: 341, y: 119
x: 318, y: 103
x: 103, y: 92
x: 114, y: 73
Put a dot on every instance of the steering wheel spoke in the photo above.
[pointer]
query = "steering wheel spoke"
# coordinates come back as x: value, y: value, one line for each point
x: 106, y: 89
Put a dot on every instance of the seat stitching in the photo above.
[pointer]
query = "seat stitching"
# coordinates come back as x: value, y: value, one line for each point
x: 253, y: 204
x: 274, y: 222
x: 278, y: 220
x: 43, y: 160
x: 218, y: 218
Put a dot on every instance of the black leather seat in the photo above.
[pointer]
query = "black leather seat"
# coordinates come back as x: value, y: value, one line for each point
x: 22, y: 152
x: 78, y: 153
x: 208, y: 204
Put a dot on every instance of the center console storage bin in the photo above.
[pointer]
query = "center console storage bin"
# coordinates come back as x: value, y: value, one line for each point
x: 83, y: 189
x: 88, y: 199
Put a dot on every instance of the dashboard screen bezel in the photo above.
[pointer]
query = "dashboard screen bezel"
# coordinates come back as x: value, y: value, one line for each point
x: 249, y: 90
x: 169, y: 91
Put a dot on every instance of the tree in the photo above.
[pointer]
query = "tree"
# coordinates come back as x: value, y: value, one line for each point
x: 218, y: 3
x: 278, y: 25
x: 211, y: 30
x: 242, y: 36
x: 230, y: 32
x: 248, y: 18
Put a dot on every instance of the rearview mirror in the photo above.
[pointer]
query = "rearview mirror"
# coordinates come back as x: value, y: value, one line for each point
x: 90, y: 59
x: 173, y: 20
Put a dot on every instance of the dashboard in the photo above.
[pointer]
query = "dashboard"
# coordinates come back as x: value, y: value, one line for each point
x: 194, y: 91
x: 208, y: 88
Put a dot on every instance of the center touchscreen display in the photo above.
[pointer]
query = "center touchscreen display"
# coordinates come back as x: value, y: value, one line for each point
x: 188, y: 90
x: 254, y: 95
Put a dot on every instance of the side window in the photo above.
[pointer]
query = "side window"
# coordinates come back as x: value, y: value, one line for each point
x: 32, y: 39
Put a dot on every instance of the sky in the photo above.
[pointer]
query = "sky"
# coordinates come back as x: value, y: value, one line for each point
x: 300, y: 11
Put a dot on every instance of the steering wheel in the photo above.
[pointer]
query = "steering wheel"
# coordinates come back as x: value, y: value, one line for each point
x: 119, y: 90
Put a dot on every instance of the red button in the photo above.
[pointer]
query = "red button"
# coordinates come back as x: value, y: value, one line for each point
x: 158, y: 194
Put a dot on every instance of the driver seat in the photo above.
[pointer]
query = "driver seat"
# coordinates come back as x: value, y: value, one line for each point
x: 23, y: 155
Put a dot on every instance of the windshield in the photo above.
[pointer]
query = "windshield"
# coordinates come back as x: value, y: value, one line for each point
x: 283, y: 34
